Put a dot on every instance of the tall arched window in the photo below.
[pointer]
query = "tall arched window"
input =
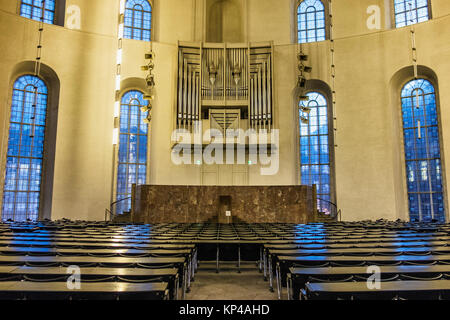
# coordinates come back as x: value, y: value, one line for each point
x: 311, y: 21
x: 422, y: 151
x: 409, y: 12
x: 21, y: 192
x: 32, y: 9
x: 138, y: 20
x: 132, y: 167
x: 315, y: 155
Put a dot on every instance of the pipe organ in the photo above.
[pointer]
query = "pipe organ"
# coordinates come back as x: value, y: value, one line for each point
x: 226, y: 86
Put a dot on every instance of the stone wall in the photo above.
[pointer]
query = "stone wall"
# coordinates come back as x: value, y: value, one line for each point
x: 251, y: 204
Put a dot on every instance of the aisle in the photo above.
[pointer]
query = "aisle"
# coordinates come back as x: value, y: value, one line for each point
x: 228, y: 284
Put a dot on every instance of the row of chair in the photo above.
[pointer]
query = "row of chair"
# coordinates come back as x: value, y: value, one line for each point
x: 159, y: 261
x: 35, y: 263
x: 410, y: 263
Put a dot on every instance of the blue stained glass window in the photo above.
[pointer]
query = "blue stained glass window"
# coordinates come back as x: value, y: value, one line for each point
x: 422, y: 151
x: 311, y: 21
x: 315, y: 149
x: 132, y: 166
x: 138, y: 20
x: 32, y: 9
x: 408, y: 12
x: 21, y: 192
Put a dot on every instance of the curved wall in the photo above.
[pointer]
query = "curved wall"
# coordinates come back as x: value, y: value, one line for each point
x: 369, y: 172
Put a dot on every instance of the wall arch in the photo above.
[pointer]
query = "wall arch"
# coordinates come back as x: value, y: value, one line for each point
x: 51, y: 79
x: 322, y: 88
x: 133, y: 83
x: 294, y: 19
x: 60, y: 12
x: 128, y: 85
x: 397, y: 82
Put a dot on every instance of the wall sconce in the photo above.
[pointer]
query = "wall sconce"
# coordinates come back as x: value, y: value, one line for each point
x: 304, y: 98
x: 302, y: 57
x: 148, y: 67
x: 150, y: 55
x: 147, y: 108
x: 303, y: 68
x: 150, y: 80
x: 301, y: 82
x: 148, y: 97
x: 306, y: 110
x: 148, y: 119
x: 304, y: 120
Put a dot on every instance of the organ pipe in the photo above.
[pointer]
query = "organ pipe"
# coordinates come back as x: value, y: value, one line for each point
x: 211, y: 75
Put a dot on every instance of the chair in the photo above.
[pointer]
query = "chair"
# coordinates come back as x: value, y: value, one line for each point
x: 420, y: 295
x: 389, y: 254
x: 383, y: 277
x: 141, y: 280
x: 9, y: 277
x: 421, y: 277
x: 42, y: 264
x: 116, y: 265
x: 420, y: 263
x: 71, y: 254
x: 134, y: 255
x: 98, y: 278
x: 386, y: 263
x: 103, y: 255
x: 423, y: 253
x: 311, y: 265
x: 329, y: 278
x: 359, y: 254
x: 348, y: 264
x: 80, y: 264
x: 41, y: 254
x: 44, y: 278
x: 151, y: 266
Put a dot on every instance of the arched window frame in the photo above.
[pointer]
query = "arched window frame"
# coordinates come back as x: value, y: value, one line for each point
x: 36, y: 155
x: 298, y: 36
x: 142, y: 176
x: 31, y: 9
x: 326, y: 94
x: 406, y: 159
x: 400, y: 10
x: 130, y: 29
x: 59, y: 11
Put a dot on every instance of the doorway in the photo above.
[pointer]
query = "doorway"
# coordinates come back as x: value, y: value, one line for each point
x: 224, y: 207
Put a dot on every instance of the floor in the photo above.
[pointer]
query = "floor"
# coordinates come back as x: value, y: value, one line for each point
x: 228, y: 284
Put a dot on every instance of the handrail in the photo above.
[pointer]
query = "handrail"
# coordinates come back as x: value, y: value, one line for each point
x: 337, y: 211
x: 116, y: 202
x: 111, y: 208
x: 106, y: 213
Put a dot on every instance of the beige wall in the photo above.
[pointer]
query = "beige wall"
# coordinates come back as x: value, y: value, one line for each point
x: 369, y: 165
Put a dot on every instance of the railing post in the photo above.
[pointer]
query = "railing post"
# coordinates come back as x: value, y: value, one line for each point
x: 111, y: 212
x: 336, y: 213
x: 133, y: 196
